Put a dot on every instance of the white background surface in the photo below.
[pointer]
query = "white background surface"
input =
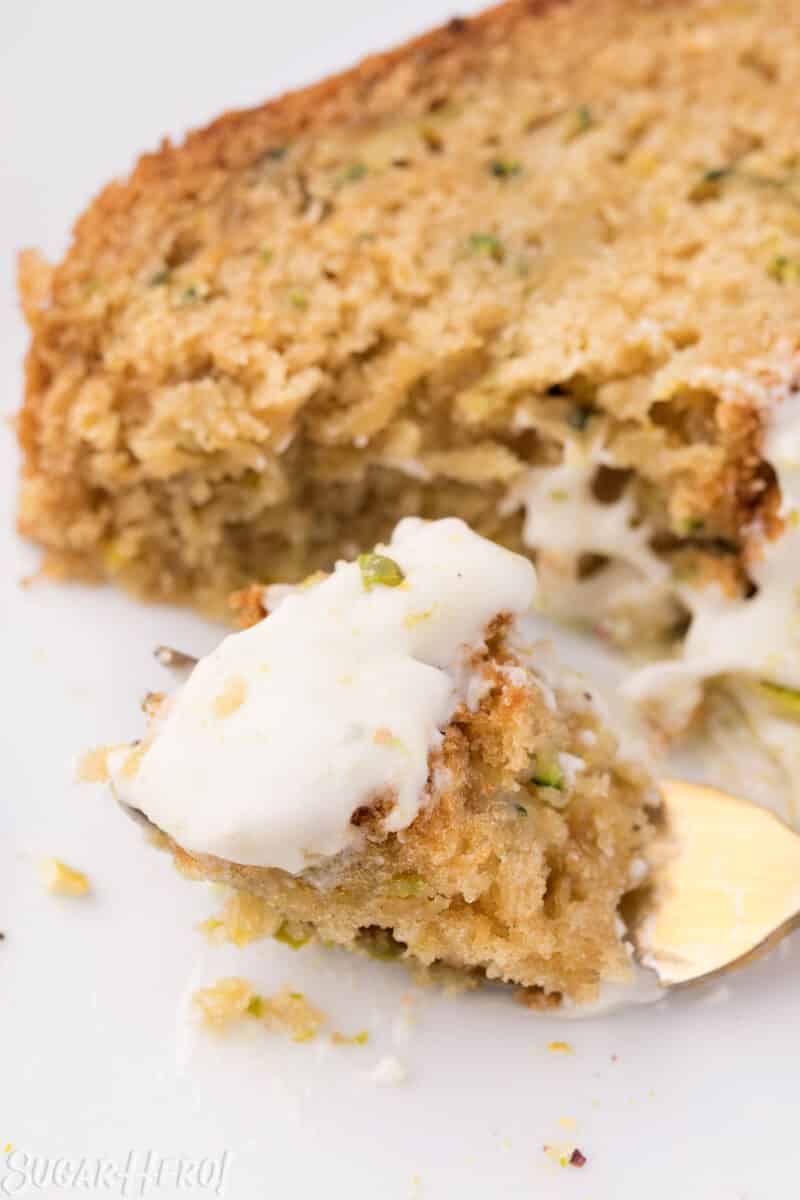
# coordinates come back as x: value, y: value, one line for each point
x: 694, y: 1099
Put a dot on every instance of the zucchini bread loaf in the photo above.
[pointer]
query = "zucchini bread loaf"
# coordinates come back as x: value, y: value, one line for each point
x: 539, y: 270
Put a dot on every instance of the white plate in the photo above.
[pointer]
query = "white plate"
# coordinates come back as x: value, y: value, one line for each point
x: 694, y: 1098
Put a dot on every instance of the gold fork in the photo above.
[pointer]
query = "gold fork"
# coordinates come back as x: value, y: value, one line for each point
x: 725, y: 883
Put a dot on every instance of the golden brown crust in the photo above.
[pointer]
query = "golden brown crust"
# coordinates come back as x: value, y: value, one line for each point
x: 181, y: 174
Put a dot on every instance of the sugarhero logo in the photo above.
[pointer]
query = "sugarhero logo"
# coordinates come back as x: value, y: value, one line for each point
x: 138, y: 1173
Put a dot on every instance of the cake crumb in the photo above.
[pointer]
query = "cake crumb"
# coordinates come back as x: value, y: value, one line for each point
x: 132, y: 763
x: 231, y: 999
x: 224, y: 1002
x: 290, y: 1012
x: 230, y: 698
x: 560, y: 1048
x: 568, y: 1122
x: 565, y: 1156
x: 152, y: 704
x: 93, y: 766
x: 389, y: 1070
x: 358, y: 1039
x: 62, y: 880
x: 244, y: 918
x: 385, y: 737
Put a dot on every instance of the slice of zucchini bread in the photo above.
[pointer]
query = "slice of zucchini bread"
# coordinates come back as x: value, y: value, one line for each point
x: 393, y: 760
x: 539, y: 270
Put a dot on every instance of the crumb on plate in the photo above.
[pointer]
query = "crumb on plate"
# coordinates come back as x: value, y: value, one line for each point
x: 232, y: 999
x: 560, y: 1048
x: 562, y: 1156
x: 62, y: 880
x: 389, y: 1070
x: 357, y: 1039
x: 93, y: 766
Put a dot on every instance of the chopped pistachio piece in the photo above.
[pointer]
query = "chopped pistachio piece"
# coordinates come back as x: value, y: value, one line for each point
x: 486, y: 243
x: 784, y: 270
x: 785, y: 700
x: 356, y: 170
x: 298, y: 299
x: 406, y: 886
x: 686, y: 526
x: 708, y: 187
x: 581, y: 121
x: 255, y: 1007
x: 191, y: 294
x: 547, y: 775
x: 579, y: 416
x: 504, y: 168
x: 292, y: 935
x: 161, y: 277
x: 379, y: 571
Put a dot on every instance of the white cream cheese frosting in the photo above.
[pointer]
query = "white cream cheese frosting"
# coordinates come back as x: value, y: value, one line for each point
x: 563, y: 517
x: 334, y: 701
x: 759, y: 636
x: 756, y: 637
x: 564, y: 520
